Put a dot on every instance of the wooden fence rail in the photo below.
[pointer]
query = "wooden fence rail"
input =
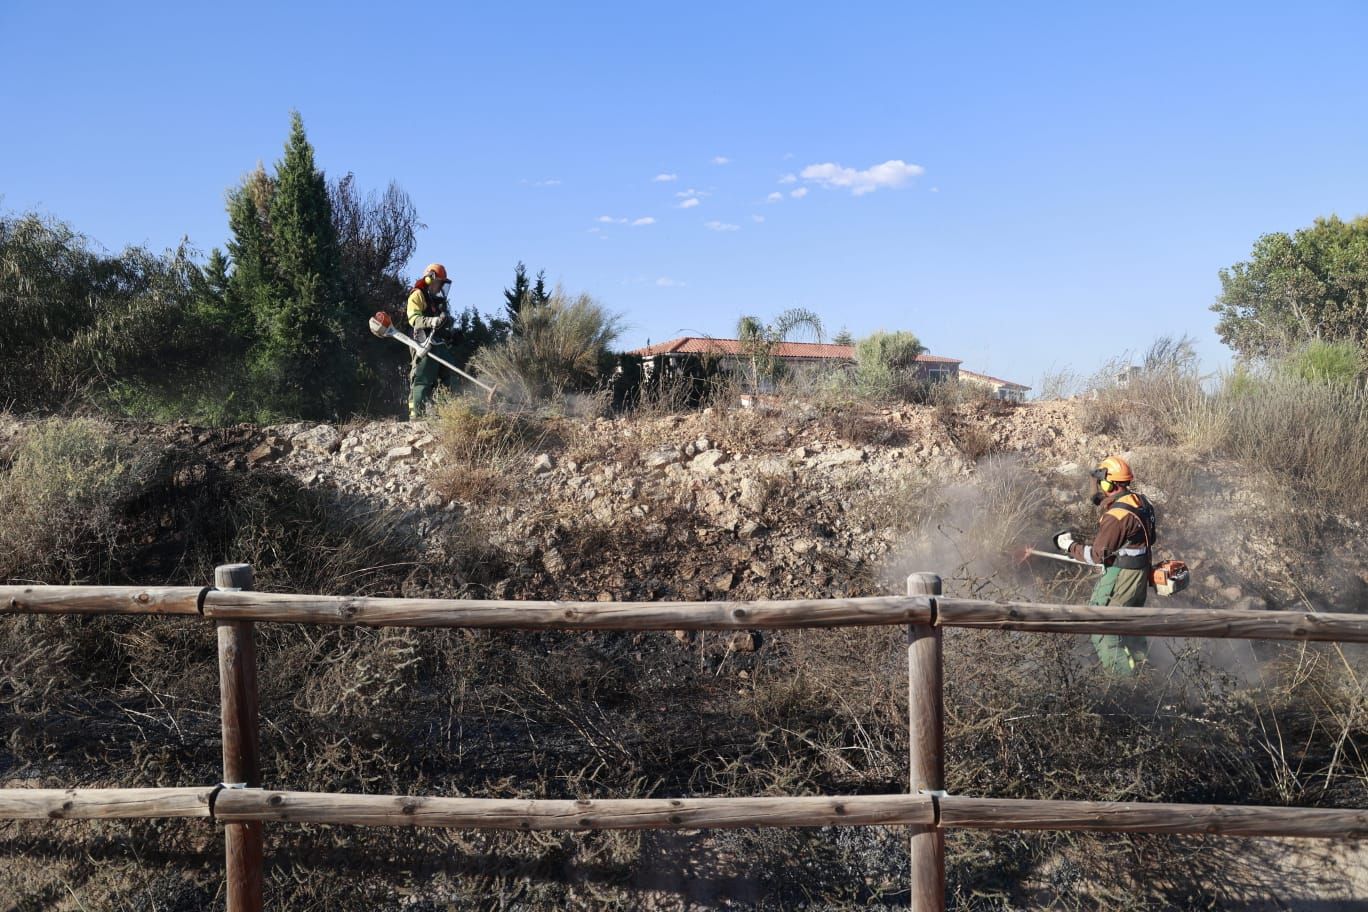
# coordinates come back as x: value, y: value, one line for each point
x: 939, y: 611
x: 928, y: 811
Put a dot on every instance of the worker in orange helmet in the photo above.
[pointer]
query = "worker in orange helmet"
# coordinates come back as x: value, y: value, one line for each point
x: 1124, y: 547
x: 432, y: 327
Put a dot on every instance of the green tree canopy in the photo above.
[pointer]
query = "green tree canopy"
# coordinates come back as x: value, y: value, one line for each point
x: 1309, y: 285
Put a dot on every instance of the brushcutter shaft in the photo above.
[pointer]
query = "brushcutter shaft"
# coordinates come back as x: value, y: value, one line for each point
x: 386, y: 331
x: 1058, y: 557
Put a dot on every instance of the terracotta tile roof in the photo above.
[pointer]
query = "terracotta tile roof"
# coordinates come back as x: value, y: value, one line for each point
x: 977, y: 376
x: 815, y: 351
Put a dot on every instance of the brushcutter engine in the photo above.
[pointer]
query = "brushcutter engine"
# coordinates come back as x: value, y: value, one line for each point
x: 381, y: 326
x: 1170, y: 576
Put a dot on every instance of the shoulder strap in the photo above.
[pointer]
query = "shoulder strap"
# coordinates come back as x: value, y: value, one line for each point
x: 1141, y: 510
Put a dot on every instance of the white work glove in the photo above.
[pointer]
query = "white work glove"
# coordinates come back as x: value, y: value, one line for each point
x: 1064, y: 541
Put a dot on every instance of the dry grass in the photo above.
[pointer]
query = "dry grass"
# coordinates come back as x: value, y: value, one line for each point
x: 484, y: 448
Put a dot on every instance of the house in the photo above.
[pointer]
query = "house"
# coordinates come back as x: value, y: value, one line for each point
x: 1001, y: 389
x: 731, y: 354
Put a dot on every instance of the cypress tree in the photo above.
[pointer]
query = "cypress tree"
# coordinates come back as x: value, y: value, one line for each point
x: 515, y: 297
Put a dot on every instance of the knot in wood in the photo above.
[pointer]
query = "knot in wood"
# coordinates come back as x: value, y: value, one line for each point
x: 676, y: 819
x: 586, y: 822
x: 275, y: 800
x: 839, y: 809
x: 143, y: 598
x: 739, y: 613
x: 409, y: 807
x: 348, y: 609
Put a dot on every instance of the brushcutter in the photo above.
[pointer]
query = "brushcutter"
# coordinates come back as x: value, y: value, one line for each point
x: 1167, y: 576
x: 382, y: 327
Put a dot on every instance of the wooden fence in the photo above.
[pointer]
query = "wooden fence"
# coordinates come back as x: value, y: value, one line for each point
x: 244, y: 807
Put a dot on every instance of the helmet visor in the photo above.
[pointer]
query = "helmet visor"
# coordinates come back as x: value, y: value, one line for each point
x: 441, y: 289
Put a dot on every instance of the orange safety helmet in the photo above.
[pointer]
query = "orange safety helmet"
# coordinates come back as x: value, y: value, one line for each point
x: 1113, y: 470
x: 435, y: 269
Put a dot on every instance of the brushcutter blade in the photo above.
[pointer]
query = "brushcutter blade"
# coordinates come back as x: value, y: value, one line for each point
x: 381, y: 325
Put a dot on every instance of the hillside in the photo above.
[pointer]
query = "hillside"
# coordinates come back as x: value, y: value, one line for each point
x: 783, y: 499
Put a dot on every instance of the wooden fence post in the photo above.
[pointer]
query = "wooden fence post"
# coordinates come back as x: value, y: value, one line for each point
x: 241, y: 761
x: 926, y: 743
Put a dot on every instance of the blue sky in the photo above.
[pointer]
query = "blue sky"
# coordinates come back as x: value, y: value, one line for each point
x: 1071, y: 176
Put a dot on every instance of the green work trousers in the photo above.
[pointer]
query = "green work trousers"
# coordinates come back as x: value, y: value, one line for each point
x: 1121, y: 655
x: 424, y: 377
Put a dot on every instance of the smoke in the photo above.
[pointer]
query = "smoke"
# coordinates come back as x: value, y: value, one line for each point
x: 971, y: 530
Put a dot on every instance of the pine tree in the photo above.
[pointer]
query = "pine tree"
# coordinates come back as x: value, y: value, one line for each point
x: 539, y: 293
x: 515, y: 297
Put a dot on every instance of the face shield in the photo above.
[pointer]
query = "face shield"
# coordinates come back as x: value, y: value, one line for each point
x: 440, y: 288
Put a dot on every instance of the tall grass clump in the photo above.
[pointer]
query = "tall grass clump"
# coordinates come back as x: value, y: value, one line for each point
x: 482, y: 447
x: 1337, y: 363
x: 886, y: 365
x: 556, y: 348
x: 62, y: 497
x: 1308, y: 432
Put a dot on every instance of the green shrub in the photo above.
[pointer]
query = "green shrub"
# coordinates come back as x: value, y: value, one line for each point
x: 556, y: 348
x: 1318, y: 361
x: 61, y: 499
x: 886, y: 365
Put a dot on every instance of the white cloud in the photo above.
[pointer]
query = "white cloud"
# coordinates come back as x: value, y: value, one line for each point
x: 789, y: 179
x: 644, y: 220
x: 892, y: 173
x: 667, y: 282
x: 548, y: 182
x: 720, y: 160
x: 689, y: 203
x: 685, y: 194
x: 799, y: 193
x: 609, y: 220
x: 935, y: 189
x: 664, y: 178
x: 775, y: 197
x: 721, y: 226
x: 757, y: 219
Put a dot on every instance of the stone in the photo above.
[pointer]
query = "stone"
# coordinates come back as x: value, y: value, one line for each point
x: 665, y: 456
x: 423, y: 443
x: 845, y: 457
x: 401, y: 454
x: 703, y: 444
x: 724, y: 582
x: 750, y: 529
x: 683, y: 636
x: 262, y: 454
x: 743, y: 641
x: 553, y: 561
x: 543, y: 463
x: 322, y: 438
x: 707, y: 461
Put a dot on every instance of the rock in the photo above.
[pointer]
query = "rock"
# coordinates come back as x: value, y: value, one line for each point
x: 553, y: 561
x: 724, y: 582
x: 707, y: 461
x: 401, y: 454
x: 321, y: 438
x: 743, y: 641
x: 750, y: 529
x: 1249, y: 603
x: 433, y: 501
x: 844, y: 457
x: 543, y: 463
x: 263, y: 454
x: 423, y: 443
x: 702, y: 445
x: 683, y: 636
x: 657, y: 459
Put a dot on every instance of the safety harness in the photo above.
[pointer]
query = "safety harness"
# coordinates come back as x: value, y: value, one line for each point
x: 1134, y: 558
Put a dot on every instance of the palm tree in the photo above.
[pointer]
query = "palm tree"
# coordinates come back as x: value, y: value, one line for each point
x: 760, y: 340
